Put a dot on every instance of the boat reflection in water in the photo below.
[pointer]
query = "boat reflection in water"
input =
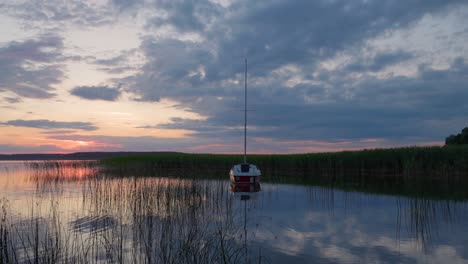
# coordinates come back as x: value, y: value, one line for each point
x: 245, y: 187
x: 246, y: 196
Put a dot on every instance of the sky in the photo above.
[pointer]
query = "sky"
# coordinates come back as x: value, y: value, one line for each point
x: 168, y: 75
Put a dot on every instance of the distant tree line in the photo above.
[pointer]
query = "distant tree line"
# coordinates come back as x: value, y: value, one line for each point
x: 458, y: 139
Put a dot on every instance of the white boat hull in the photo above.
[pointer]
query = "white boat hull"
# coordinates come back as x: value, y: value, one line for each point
x: 245, y: 173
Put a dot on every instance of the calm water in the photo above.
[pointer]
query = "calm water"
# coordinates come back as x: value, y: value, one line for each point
x: 76, y: 214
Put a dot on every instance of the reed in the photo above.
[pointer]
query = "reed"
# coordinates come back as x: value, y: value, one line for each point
x: 151, y: 220
x: 441, y: 164
x: 128, y: 220
x: 376, y: 171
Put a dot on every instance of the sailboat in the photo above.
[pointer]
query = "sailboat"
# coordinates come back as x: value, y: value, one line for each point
x: 245, y: 172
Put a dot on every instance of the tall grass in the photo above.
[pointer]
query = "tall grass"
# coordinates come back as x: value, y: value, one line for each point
x: 127, y: 220
x: 449, y: 164
x: 431, y: 172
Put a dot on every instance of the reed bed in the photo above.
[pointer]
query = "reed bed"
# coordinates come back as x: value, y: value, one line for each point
x: 127, y: 220
x: 437, y: 164
x: 430, y: 172
x: 60, y: 166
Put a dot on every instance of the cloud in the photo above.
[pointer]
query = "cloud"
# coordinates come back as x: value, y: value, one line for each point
x: 321, y: 228
x: 96, y: 93
x: 12, y: 100
x: 58, y: 132
x: 31, y: 68
x: 379, y: 61
x: 395, y: 107
x: 111, y: 61
x: 17, y: 149
x: 185, y: 15
x: 143, y: 143
x: 47, y: 124
x: 55, y: 14
x: 125, y: 5
x: 127, y: 61
x: 293, y: 95
x: 319, y: 71
x: 371, y: 108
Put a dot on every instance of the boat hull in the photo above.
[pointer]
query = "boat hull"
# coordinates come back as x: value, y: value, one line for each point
x: 244, y: 179
x: 245, y: 173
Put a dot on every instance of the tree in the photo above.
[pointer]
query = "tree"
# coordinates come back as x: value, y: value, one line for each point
x: 458, y: 139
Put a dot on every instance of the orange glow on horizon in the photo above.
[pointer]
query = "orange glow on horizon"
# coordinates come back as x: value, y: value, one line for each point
x: 80, y: 144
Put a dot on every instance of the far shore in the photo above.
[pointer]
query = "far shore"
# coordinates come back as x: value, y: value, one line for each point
x: 74, y: 156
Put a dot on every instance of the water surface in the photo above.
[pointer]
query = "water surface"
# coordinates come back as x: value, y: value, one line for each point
x: 74, y: 213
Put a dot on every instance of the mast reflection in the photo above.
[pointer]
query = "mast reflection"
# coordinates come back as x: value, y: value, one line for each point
x: 247, y: 194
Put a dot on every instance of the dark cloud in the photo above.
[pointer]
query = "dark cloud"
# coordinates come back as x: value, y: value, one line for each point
x: 271, y: 36
x: 112, y: 61
x: 125, y: 5
x: 423, y: 108
x: 58, y: 132
x: 12, y: 100
x: 48, y: 124
x: 205, y: 128
x: 54, y: 14
x: 31, y: 68
x: 186, y: 15
x: 303, y: 32
x: 96, y: 93
x: 126, y: 61
x: 295, y: 99
x: 174, y: 69
x: 118, y: 69
x: 379, y: 61
x: 16, y: 149
x: 397, y: 107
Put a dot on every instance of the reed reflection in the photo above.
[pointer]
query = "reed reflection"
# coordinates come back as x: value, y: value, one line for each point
x: 425, y: 219
x: 62, y: 171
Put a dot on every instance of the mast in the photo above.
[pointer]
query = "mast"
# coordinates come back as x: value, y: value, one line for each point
x: 245, y: 114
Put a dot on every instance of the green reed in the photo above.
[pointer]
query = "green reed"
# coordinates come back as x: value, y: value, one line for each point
x: 448, y: 163
x: 437, y: 172
x: 127, y: 220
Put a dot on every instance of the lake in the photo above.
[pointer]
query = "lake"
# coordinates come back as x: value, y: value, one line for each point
x: 73, y: 212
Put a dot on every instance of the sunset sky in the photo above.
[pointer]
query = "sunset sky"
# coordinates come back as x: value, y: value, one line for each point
x: 167, y: 75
